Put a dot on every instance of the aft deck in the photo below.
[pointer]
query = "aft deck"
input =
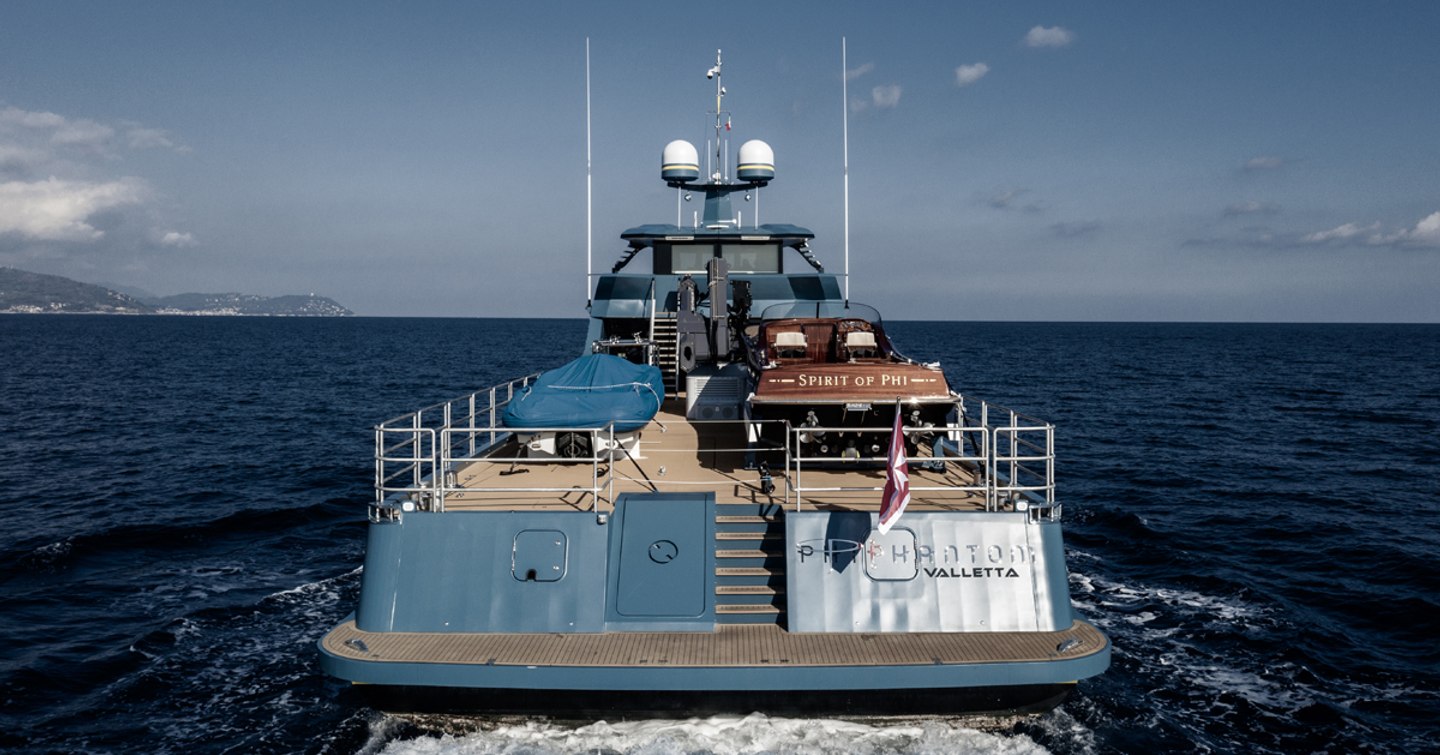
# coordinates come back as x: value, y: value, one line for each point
x: 678, y: 455
x: 729, y: 646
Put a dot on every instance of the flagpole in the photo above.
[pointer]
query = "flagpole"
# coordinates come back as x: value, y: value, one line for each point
x: 896, y: 495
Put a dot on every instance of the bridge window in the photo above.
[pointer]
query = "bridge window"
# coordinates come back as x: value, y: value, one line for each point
x: 690, y: 258
x: 752, y: 258
x: 681, y: 259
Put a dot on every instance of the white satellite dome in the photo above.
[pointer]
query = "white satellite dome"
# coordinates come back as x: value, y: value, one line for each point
x: 757, y: 161
x: 679, y: 162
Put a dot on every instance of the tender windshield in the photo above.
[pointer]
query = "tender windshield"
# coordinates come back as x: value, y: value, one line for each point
x: 835, y: 309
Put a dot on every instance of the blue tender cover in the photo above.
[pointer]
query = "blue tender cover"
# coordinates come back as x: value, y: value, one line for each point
x: 590, y: 392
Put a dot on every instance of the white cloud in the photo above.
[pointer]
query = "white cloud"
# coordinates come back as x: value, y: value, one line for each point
x: 177, y: 239
x: 969, y: 74
x: 57, y: 135
x: 83, y: 132
x: 17, y: 159
x: 56, y: 210
x: 1264, y: 162
x: 1339, y: 233
x: 1049, y: 36
x: 858, y: 71
x: 59, y: 183
x: 28, y: 119
x: 1424, y: 234
x: 148, y: 138
x: 886, y: 96
x: 1427, y: 231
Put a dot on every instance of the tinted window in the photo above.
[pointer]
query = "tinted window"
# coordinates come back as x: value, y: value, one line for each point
x: 622, y: 287
x: 752, y: 258
x: 690, y: 258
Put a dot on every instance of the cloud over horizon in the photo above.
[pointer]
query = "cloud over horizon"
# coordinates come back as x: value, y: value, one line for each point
x: 58, y: 178
x: 969, y: 74
x: 177, y: 239
x: 858, y: 71
x: 1425, y: 234
x: 56, y: 210
x: 887, y: 95
x: 1049, y: 36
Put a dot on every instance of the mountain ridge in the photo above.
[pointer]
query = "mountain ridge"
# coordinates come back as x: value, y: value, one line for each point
x: 24, y: 292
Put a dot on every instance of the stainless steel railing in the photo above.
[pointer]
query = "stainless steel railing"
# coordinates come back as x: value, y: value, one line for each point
x: 407, y: 456
x: 1010, y: 457
x: 1011, y: 461
x: 603, y: 450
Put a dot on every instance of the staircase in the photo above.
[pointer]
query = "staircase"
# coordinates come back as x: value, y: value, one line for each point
x: 665, y: 352
x: 749, y: 563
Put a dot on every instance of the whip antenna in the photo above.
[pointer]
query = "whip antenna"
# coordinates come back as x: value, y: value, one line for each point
x: 845, y: 95
x: 589, y: 233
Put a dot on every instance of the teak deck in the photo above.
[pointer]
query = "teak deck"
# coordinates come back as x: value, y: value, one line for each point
x: 730, y: 645
x: 677, y: 455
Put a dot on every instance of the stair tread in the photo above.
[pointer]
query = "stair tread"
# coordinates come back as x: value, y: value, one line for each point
x: 747, y: 590
x: 737, y: 553
x: 747, y: 571
x: 743, y: 608
x: 749, y: 536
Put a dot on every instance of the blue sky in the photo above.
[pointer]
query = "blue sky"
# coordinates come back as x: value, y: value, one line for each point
x: 1016, y: 161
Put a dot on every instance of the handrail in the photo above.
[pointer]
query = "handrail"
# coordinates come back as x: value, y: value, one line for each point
x: 1012, y: 454
x: 419, y: 432
x: 795, y: 460
x: 1018, y: 460
x: 448, y: 484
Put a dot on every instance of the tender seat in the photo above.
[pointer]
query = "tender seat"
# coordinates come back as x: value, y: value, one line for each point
x: 860, y: 344
x: 790, y: 345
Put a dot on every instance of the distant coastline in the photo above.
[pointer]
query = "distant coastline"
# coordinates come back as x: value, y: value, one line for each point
x: 24, y: 292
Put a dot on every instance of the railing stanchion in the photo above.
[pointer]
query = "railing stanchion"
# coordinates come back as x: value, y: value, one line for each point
x: 1012, y: 459
x: 379, y: 464
x: 492, y: 415
x: 415, y: 451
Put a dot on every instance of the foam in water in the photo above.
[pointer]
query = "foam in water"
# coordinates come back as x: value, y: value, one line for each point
x: 719, y: 735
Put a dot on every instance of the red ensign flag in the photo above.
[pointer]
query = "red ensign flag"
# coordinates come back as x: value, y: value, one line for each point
x: 897, y: 479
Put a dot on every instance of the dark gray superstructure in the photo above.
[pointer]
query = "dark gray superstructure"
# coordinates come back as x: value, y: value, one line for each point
x: 725, y: 556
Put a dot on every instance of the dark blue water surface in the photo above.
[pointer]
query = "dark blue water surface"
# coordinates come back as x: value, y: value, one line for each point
x: 1252, y: 514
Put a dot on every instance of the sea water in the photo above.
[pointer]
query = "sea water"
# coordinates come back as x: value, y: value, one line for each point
x: 1251, y: 514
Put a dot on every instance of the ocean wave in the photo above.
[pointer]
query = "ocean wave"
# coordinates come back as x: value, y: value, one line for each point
x: 180, y: 532
x: 48, y: 557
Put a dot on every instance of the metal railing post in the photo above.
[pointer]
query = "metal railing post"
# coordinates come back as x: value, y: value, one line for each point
x: 1050, y: 465
x: 609, y: 474
x: 651, y: 304
x: 492, y: 415
x: 379, y: 464
x: 415, y: 427
x: 470, y: 422
x: 799, y: 457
